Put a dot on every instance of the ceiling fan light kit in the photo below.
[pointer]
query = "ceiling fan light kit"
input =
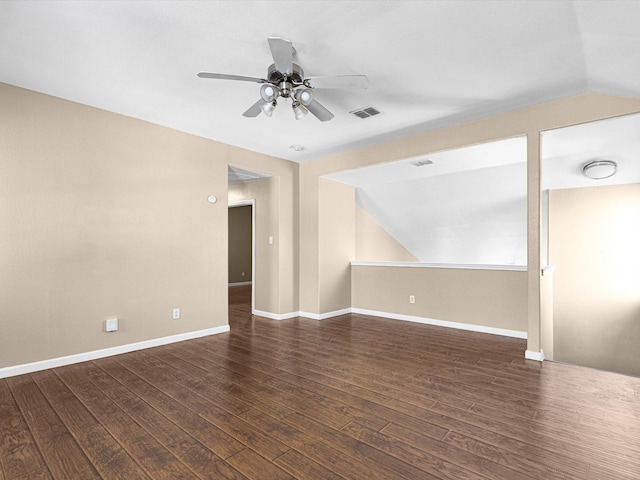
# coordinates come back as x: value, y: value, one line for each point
x: 286, y: 79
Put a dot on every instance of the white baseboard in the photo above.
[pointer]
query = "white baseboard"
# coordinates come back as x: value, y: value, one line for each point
x: 443, y: 323
x: 276, y: 316
x: 313, y: 316
x: 324, y: 316
x: 239, y: 284
x: 106, y: 352
x: 397, y: 316
x: 533, y: 355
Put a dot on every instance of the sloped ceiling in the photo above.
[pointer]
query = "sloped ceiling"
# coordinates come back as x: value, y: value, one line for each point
x: 469, y: 205
x: 430, y: 63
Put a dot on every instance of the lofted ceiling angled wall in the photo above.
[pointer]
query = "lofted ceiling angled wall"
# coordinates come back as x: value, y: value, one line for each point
x: 467, y: 207
x: 430, y: 63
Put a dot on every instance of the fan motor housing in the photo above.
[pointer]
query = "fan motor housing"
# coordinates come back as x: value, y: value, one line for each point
x: 276, y: 77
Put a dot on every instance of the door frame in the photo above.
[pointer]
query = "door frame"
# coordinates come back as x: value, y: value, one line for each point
x: 254, y: 276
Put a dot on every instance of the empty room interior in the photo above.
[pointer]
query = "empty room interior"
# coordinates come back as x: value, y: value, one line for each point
x: 320, y: 240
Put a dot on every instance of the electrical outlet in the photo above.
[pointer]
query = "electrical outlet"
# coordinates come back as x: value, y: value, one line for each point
x: 176, y: 313
x: 412, y: 299
x: 111, y: 325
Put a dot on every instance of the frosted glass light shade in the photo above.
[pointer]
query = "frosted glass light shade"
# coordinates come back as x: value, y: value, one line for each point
x: 599, y: 169
x: 299, y: 111
x: 268, y: 108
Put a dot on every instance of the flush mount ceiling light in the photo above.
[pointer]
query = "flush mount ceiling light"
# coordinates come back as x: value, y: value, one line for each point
x: 599, y: 169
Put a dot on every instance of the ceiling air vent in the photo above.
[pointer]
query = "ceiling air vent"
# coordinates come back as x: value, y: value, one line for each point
x: 365, y: 112
x: 421, y: 163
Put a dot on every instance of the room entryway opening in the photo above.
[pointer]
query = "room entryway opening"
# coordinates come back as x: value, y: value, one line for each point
x: 591, y: 211
x: 241, y: 265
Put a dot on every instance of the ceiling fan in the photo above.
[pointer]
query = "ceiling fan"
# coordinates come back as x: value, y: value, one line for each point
x: 286, y: 79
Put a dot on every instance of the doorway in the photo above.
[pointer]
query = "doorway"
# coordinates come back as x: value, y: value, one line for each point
x: 593, y: 233
x: 241, y: 261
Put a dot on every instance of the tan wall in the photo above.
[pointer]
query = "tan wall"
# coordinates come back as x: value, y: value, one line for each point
x: 546, y: 316
x: 266, y: 284
x: 374, y: 244
x: 528, y: 121
x: 309, y: 258
x: 240, y: 252
x: 594, y: 243
x: 336, y: 244
x: 488, y: 298
x: 103, y: 215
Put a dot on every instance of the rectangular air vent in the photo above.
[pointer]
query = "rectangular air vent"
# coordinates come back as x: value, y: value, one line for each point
x: 365, y: 112
x: 422, y: 163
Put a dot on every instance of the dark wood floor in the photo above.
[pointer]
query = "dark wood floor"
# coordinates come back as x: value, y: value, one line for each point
x: 352, y: 397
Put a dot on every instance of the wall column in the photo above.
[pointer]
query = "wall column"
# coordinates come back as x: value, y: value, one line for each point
x: 534, y: 192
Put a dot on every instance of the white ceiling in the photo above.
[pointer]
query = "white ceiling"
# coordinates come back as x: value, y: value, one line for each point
x: 469, y: 205
x: 474, y: 157
x: 237, y: 175
x: 566, y: 150
x: 430, y: 63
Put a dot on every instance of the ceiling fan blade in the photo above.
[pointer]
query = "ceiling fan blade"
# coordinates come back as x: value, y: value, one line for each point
x: 319, y: 111
x: 254, y: 110
x: 282, y: 53
x: 223, y: 76
x: 338, y: 81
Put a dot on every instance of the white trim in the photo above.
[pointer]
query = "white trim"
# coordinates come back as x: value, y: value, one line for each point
x: 240, y: 284
x: 533, y: 355
x: 106, y: 352
x: 324, y: 316
x: 511, y: 268
x: 312, y: 316
x: 548, y: 270
x: 443, y: 323
x: 276, y: 316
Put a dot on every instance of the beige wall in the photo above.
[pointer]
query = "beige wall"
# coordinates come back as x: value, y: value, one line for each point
x: 496, y: 299
x: 240, y: 243
x: 374, y: 244
x: 546, y: 316
x: 336, y: 244
x: 103, y: 215
x: 594, y: 243
x: 267, y: 290
x: 309, y: 268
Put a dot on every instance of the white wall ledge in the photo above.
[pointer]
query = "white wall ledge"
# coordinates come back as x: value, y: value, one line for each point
x: 511, y: 268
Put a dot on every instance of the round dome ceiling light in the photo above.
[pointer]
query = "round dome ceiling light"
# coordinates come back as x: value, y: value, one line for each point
x: 599, y: 169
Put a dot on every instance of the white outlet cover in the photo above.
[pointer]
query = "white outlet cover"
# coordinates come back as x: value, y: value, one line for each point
x: 111, y: 325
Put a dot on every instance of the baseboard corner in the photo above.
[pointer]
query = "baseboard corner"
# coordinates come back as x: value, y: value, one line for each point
x: 533, y: 355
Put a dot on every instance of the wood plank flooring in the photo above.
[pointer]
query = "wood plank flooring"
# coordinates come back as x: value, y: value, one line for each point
x: 352, y: 397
